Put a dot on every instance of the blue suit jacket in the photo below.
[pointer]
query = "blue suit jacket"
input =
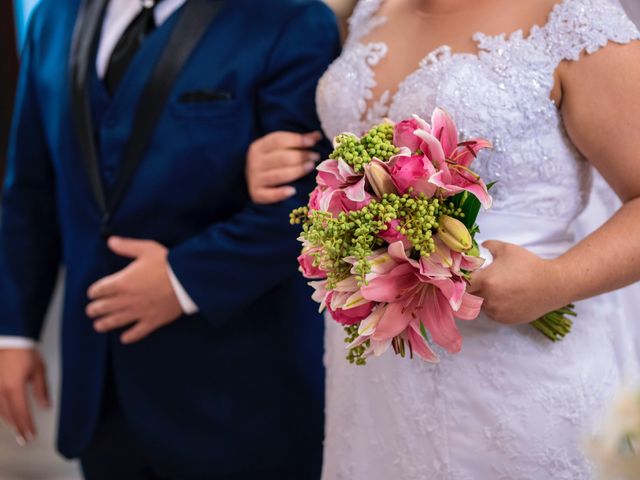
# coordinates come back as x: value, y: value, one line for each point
x: 236, y: 388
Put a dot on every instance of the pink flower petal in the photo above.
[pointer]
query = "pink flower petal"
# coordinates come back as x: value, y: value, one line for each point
x: 307, y: 268
x: 437, y: 315
x: 351, y: 316
x: 479, y: 190
x: 398, y: 252
x: 392, y: 235
x: 328, y: 174
x: 444, y: 129
x: 467, y: 152
x: 431, y: 268
x: 394, y: 321
x: 392, y: 286
x: 381, y: 262
x: 419, y: 345
x: 320, y: 293
x: 431, y: 147
x: 470, y: 308
x: 378, y: 347
x: 356, y: 192
x: 404, y: 136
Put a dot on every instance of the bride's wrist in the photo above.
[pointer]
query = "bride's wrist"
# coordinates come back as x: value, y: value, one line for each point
x: 559, y: 284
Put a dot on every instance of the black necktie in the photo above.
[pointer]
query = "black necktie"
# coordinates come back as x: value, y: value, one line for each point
x: 129, y: 44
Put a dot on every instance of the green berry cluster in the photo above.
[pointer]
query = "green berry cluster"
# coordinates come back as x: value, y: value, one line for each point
x: 356, y: 354
x: 377, y: 143
x: 356, y: 234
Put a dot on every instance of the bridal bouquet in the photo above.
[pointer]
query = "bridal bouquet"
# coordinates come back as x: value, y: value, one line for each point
x: 388, y: 238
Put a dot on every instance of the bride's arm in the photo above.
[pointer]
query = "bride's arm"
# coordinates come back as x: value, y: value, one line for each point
x: 601, y: 110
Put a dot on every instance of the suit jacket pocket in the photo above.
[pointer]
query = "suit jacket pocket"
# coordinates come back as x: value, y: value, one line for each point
x: 205, y: 103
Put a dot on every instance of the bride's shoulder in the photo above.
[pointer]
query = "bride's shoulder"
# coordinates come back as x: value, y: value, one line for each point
x: 585, y: 26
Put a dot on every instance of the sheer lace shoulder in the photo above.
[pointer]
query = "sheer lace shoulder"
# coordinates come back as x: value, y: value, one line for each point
x: 364, y: 20
x: 577, y: 26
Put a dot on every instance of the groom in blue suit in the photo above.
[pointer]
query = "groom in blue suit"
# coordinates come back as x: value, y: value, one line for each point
x: 190, y: 347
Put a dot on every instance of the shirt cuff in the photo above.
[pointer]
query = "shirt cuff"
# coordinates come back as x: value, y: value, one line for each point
x: 186, y: 302
x: 7, y: 342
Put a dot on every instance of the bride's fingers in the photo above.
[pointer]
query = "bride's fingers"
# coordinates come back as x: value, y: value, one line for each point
x: 285, y: 140
x: 270, y: 195
x: 275, y: 178
x: 475, y: 284
x: 495, y: 247
x: 287, y: 158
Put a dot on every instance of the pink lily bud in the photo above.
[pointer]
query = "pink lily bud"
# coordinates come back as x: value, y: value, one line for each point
x: 379, y: 178
x: 454, y: 234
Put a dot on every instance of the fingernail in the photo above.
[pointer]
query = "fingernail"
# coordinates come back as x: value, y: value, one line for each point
x: 314, y: 156
x: 20, y: 440
x: 290, y: 191
x: 309, y: 140
x: 310, y: 166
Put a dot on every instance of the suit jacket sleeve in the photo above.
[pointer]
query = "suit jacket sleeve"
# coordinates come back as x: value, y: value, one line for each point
x: 236, y: 262
x: 29, y: 236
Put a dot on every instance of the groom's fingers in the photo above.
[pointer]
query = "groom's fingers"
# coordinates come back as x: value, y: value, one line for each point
x: 138, y: 332
x: 106, y: 305
x: 107, y: 286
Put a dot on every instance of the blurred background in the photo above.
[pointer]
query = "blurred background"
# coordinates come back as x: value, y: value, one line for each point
x: 39, y: 461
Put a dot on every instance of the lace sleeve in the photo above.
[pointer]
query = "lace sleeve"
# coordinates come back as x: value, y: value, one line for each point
x: 587, y: 25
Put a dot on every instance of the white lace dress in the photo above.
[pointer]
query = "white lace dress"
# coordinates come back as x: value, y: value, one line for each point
x: 511, y: 405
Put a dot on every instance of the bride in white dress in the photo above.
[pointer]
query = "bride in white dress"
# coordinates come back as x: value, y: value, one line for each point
x: 555, y: 99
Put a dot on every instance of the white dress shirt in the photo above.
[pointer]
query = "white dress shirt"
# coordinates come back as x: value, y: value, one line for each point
x: 119, y: 14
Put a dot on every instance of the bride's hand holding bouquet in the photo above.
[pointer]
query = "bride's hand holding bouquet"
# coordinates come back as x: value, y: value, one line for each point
x: 519, y: 286
x: 389, y: 242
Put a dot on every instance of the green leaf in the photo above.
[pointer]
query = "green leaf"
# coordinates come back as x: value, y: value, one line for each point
x: 471, y: 209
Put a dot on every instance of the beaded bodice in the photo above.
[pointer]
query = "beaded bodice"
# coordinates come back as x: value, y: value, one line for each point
x: 502, y: 93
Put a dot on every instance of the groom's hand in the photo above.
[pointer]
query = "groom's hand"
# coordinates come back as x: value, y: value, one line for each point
x: 140, y: 295
x: 20, y: 368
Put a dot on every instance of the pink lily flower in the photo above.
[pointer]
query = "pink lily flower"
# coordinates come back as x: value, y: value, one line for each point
x: 320, y: 293
x: 421, y: 291
x: 340, y: 189
x: 452, y: 158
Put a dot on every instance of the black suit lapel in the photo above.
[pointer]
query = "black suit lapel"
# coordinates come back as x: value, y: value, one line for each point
x: 195, y: 18
x: 85, y: 36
